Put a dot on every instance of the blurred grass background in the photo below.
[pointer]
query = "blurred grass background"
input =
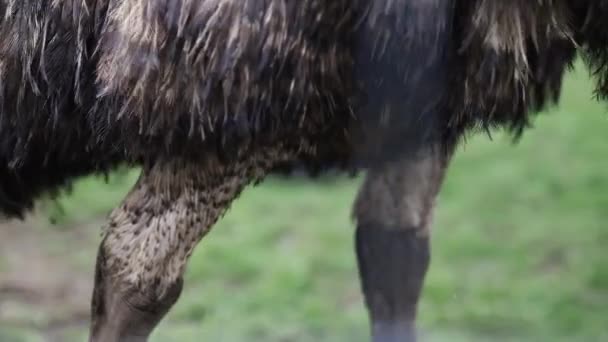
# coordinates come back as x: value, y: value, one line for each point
x: 519, y: 247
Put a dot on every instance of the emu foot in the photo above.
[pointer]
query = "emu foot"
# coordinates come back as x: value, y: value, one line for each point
x: 397, y: 331
x: 127, y: 316
x: 130, y: 317
x: 392, y: 265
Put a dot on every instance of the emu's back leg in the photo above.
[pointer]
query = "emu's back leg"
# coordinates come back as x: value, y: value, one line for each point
x: 150, y: 237
x: 393, y: 211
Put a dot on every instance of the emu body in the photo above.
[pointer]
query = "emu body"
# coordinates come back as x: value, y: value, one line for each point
x: 208, y: 96
x: 88, y: 84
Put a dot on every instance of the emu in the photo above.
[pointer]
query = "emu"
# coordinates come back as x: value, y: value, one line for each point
x: 208, y: 96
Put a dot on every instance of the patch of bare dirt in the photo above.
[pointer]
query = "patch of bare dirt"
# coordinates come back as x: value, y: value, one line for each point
x: 46, y: 276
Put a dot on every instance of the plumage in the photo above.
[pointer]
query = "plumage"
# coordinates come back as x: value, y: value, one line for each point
x: 88, y: 84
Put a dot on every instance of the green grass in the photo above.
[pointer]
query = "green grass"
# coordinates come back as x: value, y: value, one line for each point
x: 518, y: 246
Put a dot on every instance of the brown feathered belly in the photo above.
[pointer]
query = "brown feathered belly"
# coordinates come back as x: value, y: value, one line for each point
x: 328, y: 77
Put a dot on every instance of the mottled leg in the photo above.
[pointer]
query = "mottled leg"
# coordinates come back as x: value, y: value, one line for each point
x: 150, y: 238
x: 394, y: 211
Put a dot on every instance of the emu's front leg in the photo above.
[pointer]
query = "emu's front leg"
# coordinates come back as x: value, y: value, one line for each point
x: 148, y: 241
x: 394, y: 211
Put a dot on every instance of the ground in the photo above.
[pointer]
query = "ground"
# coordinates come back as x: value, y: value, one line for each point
x: 518, y: 250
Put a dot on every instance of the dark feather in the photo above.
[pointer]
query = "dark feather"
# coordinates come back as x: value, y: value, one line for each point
x: 88, y: 84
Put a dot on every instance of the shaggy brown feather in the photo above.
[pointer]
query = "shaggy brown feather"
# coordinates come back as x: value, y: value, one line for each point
x: 88, y: 84
x: 510, y: 61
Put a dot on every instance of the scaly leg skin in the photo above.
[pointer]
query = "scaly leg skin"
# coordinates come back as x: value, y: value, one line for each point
x: 394, y: 210
x: 152, y: 234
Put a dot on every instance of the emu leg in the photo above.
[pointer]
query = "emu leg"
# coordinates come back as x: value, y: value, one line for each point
x: 150, y: 238
x: 393, y: 211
